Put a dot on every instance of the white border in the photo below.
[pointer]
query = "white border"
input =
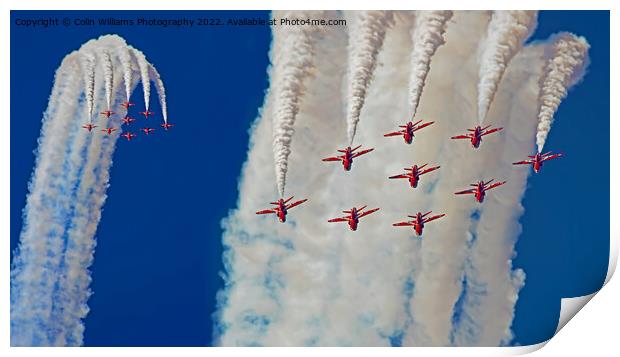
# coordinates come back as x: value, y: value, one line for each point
x: 597, y: 328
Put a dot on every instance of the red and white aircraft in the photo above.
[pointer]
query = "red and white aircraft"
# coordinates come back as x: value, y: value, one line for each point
x: 353, y: 216
x: 107, y: 113
x: 282, y: 207
x: 537, y: 160
x: 129, y: 136
x: 109, y: 131
x: 89, y: 127
x: 147, y: 131
x: 418, y: 221
x: 146, y: 114
x: 126, y: 105
x: 476, y: 134
x: 408, y: 130
x: 166, y: 126
x: 127, y: 120
x: 348, y: 156
x: 480, y: 189
x: 414, y: 173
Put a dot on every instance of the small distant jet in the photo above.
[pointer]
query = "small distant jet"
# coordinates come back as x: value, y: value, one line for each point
x: 107, y: 113
x: 480, y: 189
x: 418, y: 221
x: 353, y: 216
x: 146, y: 114
x: 167, y: 126
x: 408, y: 130
x: 476, y: 135
x: 129, y: 136
x: 89, y: 127
x: 349, y: 155
x: 537, y: 160
x: 126, y: 105
x: 282, y: 208
x: 109, y: 131
x: 128, y: 120
x: 414, y: 173
x: 147, y: 131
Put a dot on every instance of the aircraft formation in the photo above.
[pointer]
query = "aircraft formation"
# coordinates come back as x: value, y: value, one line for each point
x: 412, y: 174
x: 126, y: 120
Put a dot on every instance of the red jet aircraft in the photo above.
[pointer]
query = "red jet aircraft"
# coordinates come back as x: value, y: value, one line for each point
x: 147, y: 131
x: 349, y: 155
x: 480, y: 189
x: 167, y: 126
x: 537, y: 160
x: 107, y: 113
x: 89, y: 127
x: 109, y: 131
x: 126, y: 105
x: 476, y: 135
x: 353, y: 216
x: 414, y: 173
x: 129, y: 136
x: 418, y: 221
x: 282, y: 208
x: 146, y: 114
x: 408, y: 130
x: 127, y: 120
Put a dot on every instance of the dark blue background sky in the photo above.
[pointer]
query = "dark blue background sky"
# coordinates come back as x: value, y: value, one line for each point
x: 158, y: 254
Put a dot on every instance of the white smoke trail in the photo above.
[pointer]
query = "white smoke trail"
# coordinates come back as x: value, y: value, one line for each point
x: 144, y: 74
x: 108, y: 70
x: 427, y: 35
x: 293, y: 62
x: 567, y: 60
x: 36, y: 261
x: 366, y: 36
x: 161, y: 91
x: 88, y: 69
x: 49, y: 277
x: 506, y: 33
x: 94, y: 159
x: 125, y: 58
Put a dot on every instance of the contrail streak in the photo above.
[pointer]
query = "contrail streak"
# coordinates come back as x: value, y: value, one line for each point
x: 292, y: 58
x: 144, y: 74
x: 49, y: 276
x: 108, y: 70
x: 125, y: 58
x: 35, y: 265
x: 567, y: 60
x: 161, y: 91
x: 427, y: 35
x: 88, y: 70
x: 506, y: 33
x: 365, y: 41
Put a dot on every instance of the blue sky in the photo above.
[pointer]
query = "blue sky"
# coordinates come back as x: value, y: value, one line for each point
x: 158, y: 255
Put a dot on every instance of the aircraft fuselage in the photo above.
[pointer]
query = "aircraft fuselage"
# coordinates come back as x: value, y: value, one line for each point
x: 537, y: 164
x: 347, y: 161
x: 408, y: 135
x: 480, y: 195
x: 281, y: 211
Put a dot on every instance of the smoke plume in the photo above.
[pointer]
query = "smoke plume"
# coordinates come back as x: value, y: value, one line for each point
x: 566, y: 61
x: 505, y: 36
